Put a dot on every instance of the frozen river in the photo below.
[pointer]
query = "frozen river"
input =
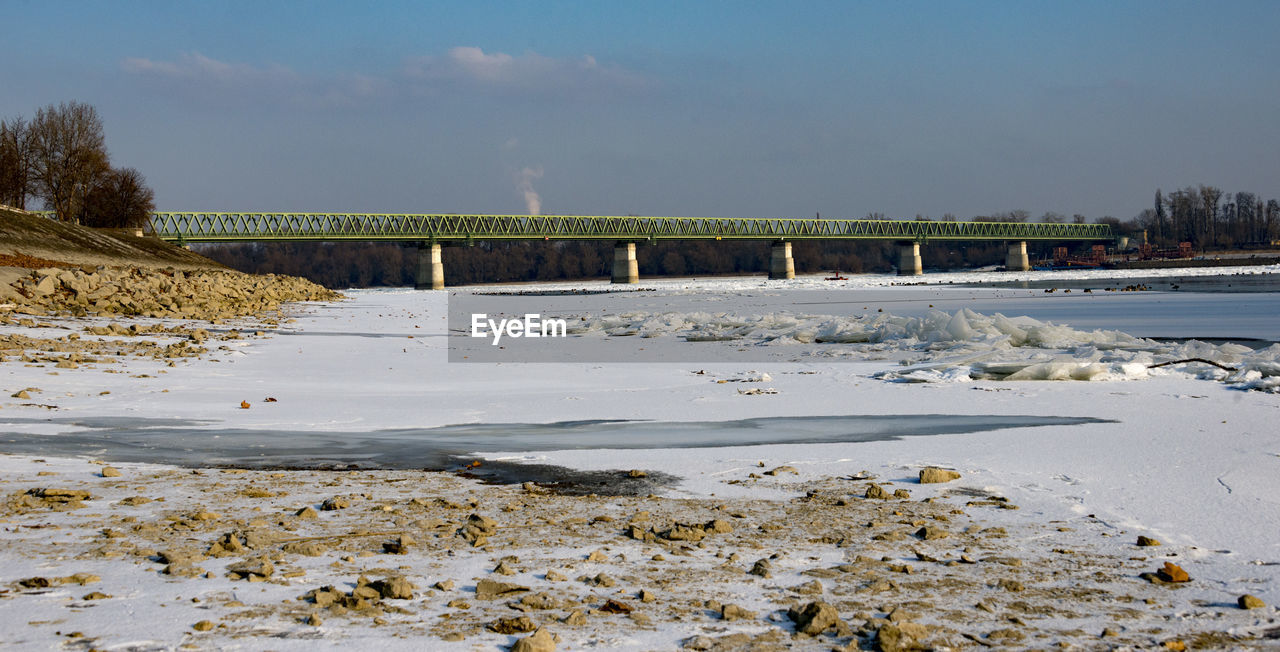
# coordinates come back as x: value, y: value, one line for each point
x: 1187, y: 452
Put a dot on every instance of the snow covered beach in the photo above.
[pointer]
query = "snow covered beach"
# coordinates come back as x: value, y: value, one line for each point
x: 1186, y: 454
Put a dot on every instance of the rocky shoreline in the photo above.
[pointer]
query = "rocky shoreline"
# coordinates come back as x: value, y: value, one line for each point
x: 851, y: 563
x: 159, y: 293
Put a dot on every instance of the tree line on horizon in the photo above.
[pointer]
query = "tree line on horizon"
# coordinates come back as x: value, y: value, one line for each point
x: 60, y: 159
x: 1214, y: 219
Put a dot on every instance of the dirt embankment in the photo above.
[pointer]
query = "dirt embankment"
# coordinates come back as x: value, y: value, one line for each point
x: 25, y: 234
x: 48, y: 266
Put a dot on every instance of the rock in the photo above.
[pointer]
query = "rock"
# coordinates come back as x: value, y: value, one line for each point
x: 554, y: 576
x: 1147, y: 541
x: 307, y: 513
x: 487, y: 589
x: 598, y: 555
x: 646, y: 596
x: 935, y: 475
x: 517, y: 625
x: 616, y: 607
x: 782, y: 469
x: 896, y: 637
x: 540, y: 641
x: 1173, y: 573
x: 335, y: 503
x: 681, y: 532
x: 601, y: 579
x: 812, y: 587
x: 45, y: 286
x: 929, y: 533
x: 762, y: 568
x: 312, y: 620
x: 202, y: 626
x: 576, y: 618
x: 259, y: 566
x: 81, y: 579
x: 537, y: 601
x: 637, y: 473
x: 814, y: 618
x: 478, y: 529
x: 718, y: 526
x: 640, y: 534
x: 109, y: 472
x: 179, y: 557
x: 394, y: 588
x: 1247, y: 601
x: 1012, y: 586
x: 96, y: 595
x: 399, y: 546
x: 51, y: 495
x: 443, y: 585
x: 21, y: 394
x: 734, y: 612
x: 876, y: 492
x: 305, y: 548
x: 183, y: 570
x: 228, y: 544
x: 324, y: 596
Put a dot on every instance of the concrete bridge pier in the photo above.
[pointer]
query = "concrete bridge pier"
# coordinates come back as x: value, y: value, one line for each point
x: 430, y: 271
x: 781, y: 264
x: 909, y: 259
x: 625, y: 267
x: 1016, y: 260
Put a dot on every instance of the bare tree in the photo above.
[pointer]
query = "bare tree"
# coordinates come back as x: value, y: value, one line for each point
x: 1271, y: 220
x: 120, y: 199
x: 15, y: 162
x: 69, y: 155
x: 1159, y: 215
x: 1209, y: 198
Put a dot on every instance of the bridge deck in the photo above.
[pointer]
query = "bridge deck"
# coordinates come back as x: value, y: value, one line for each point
x: 233, y: 227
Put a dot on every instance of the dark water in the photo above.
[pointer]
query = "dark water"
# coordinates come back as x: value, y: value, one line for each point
x: 195, y: 444
x: 1236, y: 283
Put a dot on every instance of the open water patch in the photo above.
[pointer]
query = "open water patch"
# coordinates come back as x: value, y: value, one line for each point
x: 199, y: 443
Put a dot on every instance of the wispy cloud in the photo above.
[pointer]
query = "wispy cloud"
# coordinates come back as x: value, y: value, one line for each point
x: 529, y: 73
x: 196, y: 74
x: 461, y: 69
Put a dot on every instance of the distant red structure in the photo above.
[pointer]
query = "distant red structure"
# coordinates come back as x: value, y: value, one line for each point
x: 1096, y: 256
x: 1148, y: 252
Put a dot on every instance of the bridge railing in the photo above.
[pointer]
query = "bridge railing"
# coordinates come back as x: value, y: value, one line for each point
x: 230, y: 227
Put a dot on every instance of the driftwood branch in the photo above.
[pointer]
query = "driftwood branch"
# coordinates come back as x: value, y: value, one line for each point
x: 1210, y: 362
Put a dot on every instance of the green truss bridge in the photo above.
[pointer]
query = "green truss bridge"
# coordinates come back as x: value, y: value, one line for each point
x: 431, y: 231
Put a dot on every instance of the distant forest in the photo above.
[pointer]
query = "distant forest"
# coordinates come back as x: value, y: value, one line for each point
x: 1205, y: 216
x: 367, y: 264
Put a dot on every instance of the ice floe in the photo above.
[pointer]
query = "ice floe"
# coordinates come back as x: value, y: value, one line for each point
x: 959, y: 346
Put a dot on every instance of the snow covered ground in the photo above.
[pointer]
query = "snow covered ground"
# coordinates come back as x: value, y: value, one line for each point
x: 1188, y: 454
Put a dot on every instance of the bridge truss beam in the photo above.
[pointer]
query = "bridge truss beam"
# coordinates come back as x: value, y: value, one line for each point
x: 241, y: 227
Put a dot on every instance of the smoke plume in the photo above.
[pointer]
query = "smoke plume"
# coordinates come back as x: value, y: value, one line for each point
x: 532, y: 202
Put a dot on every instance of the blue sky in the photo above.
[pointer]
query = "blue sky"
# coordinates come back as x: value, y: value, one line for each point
x: 665, y: 108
